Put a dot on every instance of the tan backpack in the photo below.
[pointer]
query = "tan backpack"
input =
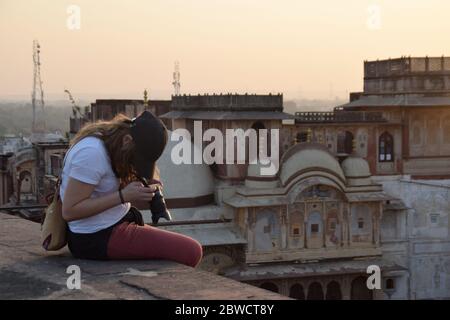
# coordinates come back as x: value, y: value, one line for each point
x: 54, y: 227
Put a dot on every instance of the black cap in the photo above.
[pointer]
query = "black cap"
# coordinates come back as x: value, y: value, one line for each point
x: 150, y: 138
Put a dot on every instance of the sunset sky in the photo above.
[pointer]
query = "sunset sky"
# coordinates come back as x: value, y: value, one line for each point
x: 304, y: 49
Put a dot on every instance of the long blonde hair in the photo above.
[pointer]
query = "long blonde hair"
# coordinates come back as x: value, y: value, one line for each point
x: 112, y: 133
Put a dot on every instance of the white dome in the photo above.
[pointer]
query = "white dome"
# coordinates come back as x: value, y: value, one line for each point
x: 355, y: 167
x: 183, y: 180
x: 304, y: 157
x: 356, y: 171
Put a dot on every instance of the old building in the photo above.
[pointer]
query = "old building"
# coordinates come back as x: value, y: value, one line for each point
x: 400, y: 124
x: 370, y: 159
x: 29, y: 169
x: 309, y: 231
x: 401, y: 121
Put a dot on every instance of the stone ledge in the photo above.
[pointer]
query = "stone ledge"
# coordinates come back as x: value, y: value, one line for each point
x: 28, y: 272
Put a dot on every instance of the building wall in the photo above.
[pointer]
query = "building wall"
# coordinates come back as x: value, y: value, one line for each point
x: 421, y: 140
x: 427, y: 233
x: 366, y: 142
x: 429, y: 142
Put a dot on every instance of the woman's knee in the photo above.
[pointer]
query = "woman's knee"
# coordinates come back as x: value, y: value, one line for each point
x: 199, y: 254
x: 195, y: 253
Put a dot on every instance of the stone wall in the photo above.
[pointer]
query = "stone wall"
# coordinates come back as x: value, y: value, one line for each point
x: 422, y: 242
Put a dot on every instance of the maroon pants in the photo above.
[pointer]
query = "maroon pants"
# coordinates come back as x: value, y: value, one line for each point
x: 131, y: 241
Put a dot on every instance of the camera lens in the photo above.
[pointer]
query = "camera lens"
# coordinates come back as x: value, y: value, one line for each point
x: 158, y: 207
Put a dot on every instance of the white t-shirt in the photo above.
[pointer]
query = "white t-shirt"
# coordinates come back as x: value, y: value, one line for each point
x: 88, y: 162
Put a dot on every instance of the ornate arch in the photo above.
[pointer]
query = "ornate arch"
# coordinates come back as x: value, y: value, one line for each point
x: 300, y: 186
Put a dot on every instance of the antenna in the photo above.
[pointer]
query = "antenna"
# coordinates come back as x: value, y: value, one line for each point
x: 37, y: 96
x: 176, y: 78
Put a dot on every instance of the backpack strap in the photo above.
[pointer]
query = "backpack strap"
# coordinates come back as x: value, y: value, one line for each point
x: 50, y: 197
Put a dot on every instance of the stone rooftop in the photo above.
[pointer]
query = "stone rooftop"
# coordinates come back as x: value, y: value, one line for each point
x: 28, y: 272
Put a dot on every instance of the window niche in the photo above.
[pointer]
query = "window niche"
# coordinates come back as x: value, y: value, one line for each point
x: 296, y: 228
x: 360, y: 223
x: 267, y: 230
x: 345, y: 142
x: 361, y: 226
x: 386, y: 147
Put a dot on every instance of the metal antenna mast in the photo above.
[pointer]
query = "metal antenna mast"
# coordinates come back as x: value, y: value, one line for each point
x: 176, y: 78
x: 37, y: 96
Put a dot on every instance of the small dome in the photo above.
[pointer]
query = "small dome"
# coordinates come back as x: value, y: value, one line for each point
x: 183, y: 180
x: 309, y: 156
x: 355, y: 167
x: 356, y: 170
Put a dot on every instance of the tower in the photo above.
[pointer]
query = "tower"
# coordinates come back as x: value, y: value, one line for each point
x: 176, y: 78
x: 37, y: 96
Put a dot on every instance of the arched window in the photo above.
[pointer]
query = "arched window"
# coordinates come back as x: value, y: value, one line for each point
x: 334, y: 291
x: 297, y: 292
x: 268, y: 227
x: 269, y: 286
x: 315, y: 229
x: 359, y: 290
x: 390, y: 284
x: 26, y: 182
x: 345, y: 142
x: 315, y: 291
x: 386, y: 148
x: 296, y: 223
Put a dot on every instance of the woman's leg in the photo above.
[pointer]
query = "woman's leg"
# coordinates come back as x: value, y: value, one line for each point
x: 131, y: 241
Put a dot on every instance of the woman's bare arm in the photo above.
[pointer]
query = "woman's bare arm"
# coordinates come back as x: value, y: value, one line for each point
x: 77, y: 203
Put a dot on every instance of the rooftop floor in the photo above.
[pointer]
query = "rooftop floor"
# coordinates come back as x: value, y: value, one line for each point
x: 28, y: 272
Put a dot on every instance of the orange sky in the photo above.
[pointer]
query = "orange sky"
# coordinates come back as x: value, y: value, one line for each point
x: 305, y: 49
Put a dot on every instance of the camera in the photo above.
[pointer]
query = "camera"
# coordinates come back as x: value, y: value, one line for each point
x: 158, y: 205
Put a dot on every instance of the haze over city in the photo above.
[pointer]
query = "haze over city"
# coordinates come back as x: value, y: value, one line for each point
x: 312, y: 50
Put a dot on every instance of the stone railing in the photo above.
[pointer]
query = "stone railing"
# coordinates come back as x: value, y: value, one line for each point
x: 228, y: 102
x: 339, y: 116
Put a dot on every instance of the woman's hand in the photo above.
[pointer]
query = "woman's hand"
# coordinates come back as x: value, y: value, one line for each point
x: 135, y: 192
x: 78, y: 204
